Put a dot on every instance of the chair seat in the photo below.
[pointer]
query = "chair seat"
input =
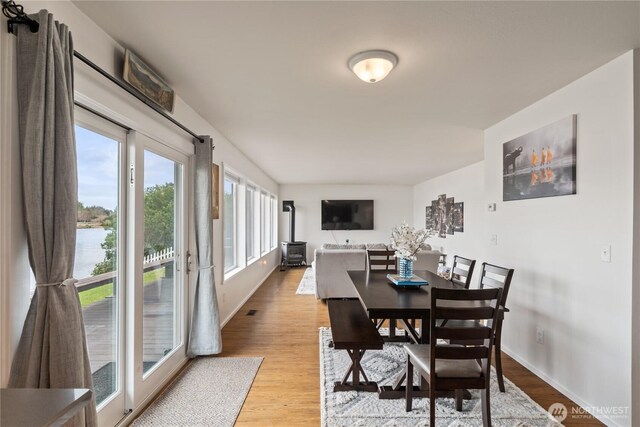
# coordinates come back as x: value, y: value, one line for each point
x: 445, y: 368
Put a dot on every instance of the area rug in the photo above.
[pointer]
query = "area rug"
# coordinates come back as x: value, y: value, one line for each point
x: 210, y: 392
x: 352, y: 408
x: 307, y: 285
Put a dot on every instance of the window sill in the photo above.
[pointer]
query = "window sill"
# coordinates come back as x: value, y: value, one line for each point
x: 252, y: 260
x: 229, y: 274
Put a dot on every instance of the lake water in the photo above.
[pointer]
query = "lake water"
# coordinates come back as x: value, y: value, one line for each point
x: 88, y: 250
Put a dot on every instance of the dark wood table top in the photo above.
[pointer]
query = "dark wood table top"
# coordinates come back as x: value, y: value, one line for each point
x: 378, y: 294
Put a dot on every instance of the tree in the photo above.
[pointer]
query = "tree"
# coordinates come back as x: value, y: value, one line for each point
x: 158, y: 226
x: 110, y: 247
x: 158, y: 218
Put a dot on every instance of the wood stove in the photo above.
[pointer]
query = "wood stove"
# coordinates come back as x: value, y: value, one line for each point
x: 293, y: 253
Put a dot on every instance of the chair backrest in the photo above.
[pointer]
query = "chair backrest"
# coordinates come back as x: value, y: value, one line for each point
x: 494, y: 276
x: 381, y: 260
x: 462, y: 270
x: 478, y: 305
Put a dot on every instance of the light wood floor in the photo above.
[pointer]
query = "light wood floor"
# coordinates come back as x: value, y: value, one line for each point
x: 284, y: 330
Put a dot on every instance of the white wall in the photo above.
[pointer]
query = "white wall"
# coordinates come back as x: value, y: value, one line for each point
x: 635, y: 340
x: 465, y: 185
x: 560, y: 284
x: 104, y: 96
x: 392, y: 205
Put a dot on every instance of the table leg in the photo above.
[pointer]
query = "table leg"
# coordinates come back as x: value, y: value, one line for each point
x: 355, y: 369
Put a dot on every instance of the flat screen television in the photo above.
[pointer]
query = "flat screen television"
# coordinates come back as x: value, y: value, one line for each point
x: 347, y: 214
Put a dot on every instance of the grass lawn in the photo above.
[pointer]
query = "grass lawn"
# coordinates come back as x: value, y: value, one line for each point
x: 101, y: 292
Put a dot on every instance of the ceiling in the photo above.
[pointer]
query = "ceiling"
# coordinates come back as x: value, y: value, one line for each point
x: 272, y: 76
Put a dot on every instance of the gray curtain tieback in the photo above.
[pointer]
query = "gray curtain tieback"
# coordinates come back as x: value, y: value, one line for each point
x: 65, y: 282
x: 205, y: 268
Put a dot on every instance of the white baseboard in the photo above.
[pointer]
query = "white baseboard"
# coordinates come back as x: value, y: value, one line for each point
x: 571, y: 395
x: 253, y: 291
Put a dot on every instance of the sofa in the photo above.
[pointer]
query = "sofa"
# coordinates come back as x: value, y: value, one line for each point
x: 332, y: 261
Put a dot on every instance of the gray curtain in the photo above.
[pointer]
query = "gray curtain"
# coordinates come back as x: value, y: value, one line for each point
x: 204, y: 337
x: 52, y: 352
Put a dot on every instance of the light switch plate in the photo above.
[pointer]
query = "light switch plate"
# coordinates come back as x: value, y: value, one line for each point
x: 605, y: 253
x: 493, y: 239
x: 491, y: 207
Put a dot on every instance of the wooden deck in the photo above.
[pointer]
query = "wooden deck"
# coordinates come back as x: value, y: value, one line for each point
x: 157, y: 325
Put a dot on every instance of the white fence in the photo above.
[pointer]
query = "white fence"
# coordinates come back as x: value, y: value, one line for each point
x: 158, y: 256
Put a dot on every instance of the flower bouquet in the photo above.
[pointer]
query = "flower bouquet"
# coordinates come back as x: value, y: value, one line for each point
x: 406, y: 241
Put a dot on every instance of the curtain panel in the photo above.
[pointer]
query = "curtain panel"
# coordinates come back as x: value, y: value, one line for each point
x: 204, y: 335
x: 52, y: 351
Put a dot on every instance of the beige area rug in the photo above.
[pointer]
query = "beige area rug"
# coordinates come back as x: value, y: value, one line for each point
x: 210, y: 392
x: 352, y: 408
x: 307, y: 284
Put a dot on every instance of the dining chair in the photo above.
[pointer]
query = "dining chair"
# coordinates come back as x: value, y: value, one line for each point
x: 493, y: 276
x: 449, y: 367
x: 462, y: 270
x: 383, y: 260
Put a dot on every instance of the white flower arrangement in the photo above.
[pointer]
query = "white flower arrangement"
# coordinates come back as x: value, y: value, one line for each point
x: 406, y: 240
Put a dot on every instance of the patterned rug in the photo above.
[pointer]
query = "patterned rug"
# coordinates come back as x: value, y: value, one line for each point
x: 512, y: 408
x: 210, y: 392
x: 307, y: 285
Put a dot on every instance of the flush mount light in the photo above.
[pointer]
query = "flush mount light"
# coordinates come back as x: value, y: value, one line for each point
x: 372, y: 66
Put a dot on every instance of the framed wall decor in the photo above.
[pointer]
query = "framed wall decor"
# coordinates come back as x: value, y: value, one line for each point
x: 541, y: 163
x: 215, y: 191
x: 444, y: 216
x: 428, y: 218
x: 458, y: 217
x: 147, y: 82
x: 449, y: 215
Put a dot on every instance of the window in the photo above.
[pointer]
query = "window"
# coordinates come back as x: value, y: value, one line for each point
x: 230, y: 222
x: 265, y: 224
x: 253, y: 226
x: 274, y: 222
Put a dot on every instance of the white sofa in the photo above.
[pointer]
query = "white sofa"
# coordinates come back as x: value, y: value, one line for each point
x: 331, y: 263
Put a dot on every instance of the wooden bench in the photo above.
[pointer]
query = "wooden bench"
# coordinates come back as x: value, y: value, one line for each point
x: 352, y: 331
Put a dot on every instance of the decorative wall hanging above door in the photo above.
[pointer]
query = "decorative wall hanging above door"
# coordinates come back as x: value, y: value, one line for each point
x: 147, y: 82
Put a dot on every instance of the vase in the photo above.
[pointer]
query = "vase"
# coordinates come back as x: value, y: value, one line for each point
x: 406, y: 267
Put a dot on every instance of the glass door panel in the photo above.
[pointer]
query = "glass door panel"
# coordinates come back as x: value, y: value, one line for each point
x: 99, y: 259
x: 161, y: 284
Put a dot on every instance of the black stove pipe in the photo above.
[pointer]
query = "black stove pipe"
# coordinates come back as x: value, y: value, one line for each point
x: 287, y: 206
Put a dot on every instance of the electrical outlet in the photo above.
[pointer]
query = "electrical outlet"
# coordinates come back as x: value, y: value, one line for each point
x: 223, y: 296
x: 540, y: 335
x: 605, y: 253
x: 493, y: 239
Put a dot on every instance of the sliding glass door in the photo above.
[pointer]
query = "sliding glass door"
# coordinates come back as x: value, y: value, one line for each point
x: 130, y: 257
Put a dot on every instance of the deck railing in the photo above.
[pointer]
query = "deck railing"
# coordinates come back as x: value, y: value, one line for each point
x: 151, y: 262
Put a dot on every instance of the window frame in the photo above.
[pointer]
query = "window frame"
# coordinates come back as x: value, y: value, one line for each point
x: 252, y: 254
x: 235, y: 180
x: 274, y: 222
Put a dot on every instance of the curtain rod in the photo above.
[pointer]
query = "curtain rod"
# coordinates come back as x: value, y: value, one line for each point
x: 16, y: 15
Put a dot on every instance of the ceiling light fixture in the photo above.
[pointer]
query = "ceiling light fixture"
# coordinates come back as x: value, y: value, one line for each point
x: 372, y: 66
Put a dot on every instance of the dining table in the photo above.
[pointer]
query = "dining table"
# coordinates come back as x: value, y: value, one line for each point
x: 382, y: 299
